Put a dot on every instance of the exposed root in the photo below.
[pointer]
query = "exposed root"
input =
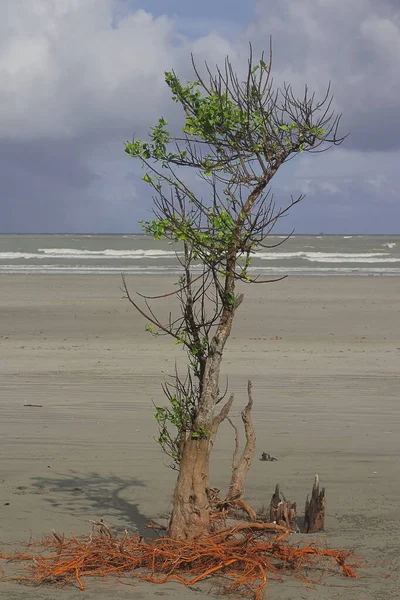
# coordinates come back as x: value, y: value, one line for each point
x: 241, y: 466
x: 244, y: 558
x: 247, y: 509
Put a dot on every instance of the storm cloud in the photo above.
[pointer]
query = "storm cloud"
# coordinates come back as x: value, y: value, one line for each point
x: 79, y: 78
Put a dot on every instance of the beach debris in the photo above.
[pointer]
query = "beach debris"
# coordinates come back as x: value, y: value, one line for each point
x: 241, y: 464
x: 156, y: 526
x: 34, y: 405
x: 243, y: 558
x: 267, y: 457
x: 282, y: 511
x: 102, y: 528
x: 314, y: 514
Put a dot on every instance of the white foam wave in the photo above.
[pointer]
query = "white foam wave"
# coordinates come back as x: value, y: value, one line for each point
x: 16, y: 255
x: 329, y: 257
x: 43, y: 268
x: 327, y: 270
x: 108, y: 252
x: 170, y: 270
x: 88, y: 254
x: 366, y: 260
x: 154, y: 254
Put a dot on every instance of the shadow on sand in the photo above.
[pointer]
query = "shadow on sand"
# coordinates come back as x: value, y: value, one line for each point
x: 95, y: 496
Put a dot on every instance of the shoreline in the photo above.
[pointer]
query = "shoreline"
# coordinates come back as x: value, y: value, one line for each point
x: 323, y: 355
x: 161, y: 273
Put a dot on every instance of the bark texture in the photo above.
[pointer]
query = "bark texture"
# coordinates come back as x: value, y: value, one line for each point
x: 222, y: 415
x: 190, y: 517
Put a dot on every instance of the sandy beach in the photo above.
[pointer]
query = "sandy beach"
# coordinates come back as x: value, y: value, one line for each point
x: 323, y: 354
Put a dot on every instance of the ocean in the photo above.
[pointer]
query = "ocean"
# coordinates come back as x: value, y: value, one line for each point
x: 105, y: 254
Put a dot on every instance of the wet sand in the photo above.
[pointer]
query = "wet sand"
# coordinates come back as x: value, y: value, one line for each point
x: 323, y: 354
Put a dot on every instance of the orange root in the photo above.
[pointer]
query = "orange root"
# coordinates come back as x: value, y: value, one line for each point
x: 245, y: 557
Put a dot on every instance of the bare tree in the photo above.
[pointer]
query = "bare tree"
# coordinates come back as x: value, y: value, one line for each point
x: 236, y: 135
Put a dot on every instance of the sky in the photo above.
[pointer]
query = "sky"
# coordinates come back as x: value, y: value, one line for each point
x: 80, y: 77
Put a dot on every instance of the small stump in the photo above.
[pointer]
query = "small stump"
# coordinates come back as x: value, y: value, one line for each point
x: 314, y: 515
x: 282, y: 511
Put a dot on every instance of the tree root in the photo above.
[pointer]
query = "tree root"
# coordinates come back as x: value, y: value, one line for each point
x: 244, y: 558
x: 241, y: 466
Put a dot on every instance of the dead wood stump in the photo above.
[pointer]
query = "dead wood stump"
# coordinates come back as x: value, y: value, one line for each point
x: 282, y: 511
x: 241, y: 466
x: 314, y: 515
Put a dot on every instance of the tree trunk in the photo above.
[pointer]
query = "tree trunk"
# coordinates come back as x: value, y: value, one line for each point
x: 190, y: 517
x: 218, y: 419
x: 191, y: 509
x: 314, y: 515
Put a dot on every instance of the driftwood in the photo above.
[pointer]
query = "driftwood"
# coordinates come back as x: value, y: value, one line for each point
x: 282, y: 511
x: 314, y: 514
x: 233, y: 501
x: 241, y: 466
x: 223, y: 414
x: 265, y: 457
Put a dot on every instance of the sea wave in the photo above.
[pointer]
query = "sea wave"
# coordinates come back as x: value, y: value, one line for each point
x: 327, y: 270
x: 16, y: 255
x: 66, y: 253
x: 171, y: 270
x: 108, y: 253
x: 82, y: 269
x: 390, y: 259
x: 330, y: 257
x: 75, y: 254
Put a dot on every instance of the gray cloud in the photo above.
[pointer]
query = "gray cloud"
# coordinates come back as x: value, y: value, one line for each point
x: 356, y: 45
x: 346, y: 191
x: 73, y: 89
x: 40, y: 182
x: 78, y: 78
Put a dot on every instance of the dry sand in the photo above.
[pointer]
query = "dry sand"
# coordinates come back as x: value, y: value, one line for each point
x: 326, y: 401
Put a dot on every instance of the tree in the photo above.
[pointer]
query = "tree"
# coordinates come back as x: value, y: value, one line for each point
x: 236, y: 135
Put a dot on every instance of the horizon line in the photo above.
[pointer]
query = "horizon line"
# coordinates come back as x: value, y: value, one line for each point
x: 121, y: 233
